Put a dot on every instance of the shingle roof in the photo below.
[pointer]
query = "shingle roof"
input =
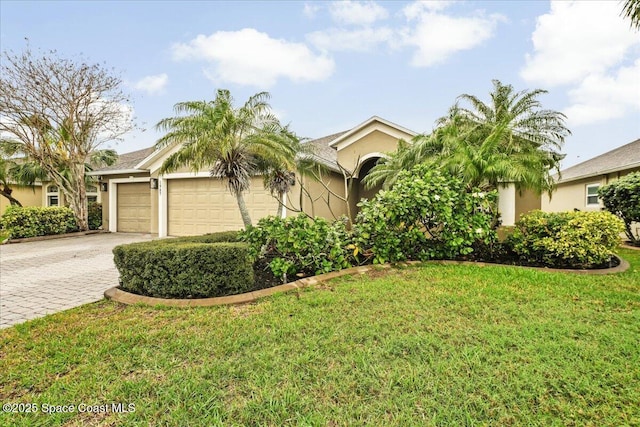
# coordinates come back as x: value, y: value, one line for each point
x: 323, y: 152
x: 621, y: 158
x: 128, y: 161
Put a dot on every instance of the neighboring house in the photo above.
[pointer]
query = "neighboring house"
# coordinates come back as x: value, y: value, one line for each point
x: 44, y: 194
x: 577, y: 187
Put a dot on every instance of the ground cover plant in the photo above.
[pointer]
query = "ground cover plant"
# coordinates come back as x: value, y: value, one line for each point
x: 433, y: 345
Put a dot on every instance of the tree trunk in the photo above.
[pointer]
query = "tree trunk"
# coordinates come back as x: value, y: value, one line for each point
x: 280, y: 205
x: 246, y: 219
x: 6, y: 192
x: 78, y: 197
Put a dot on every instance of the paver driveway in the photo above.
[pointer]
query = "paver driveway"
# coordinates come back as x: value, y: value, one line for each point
x: 39, y: 278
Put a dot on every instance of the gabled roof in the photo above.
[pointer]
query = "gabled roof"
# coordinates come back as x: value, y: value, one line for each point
x: 368, y: 122
x: 126, y: 163
x: 619, y: 159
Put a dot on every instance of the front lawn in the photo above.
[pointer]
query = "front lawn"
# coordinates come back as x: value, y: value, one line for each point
x: 430, y: 345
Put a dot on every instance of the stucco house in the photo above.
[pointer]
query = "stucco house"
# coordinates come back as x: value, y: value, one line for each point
x: 137, y: 198
x: 577, y: 187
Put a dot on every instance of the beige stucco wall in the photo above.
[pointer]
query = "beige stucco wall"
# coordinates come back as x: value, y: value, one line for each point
x: 320, y: 202
x: 25, y: 195
x: 374, y: 142
x: 527, y: 201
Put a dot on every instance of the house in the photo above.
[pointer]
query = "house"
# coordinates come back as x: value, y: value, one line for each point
x: 44, y: 194
x: 577, y: 187
x: 139, y: 199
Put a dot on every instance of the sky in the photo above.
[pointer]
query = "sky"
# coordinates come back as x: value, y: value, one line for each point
x: 330, y: 66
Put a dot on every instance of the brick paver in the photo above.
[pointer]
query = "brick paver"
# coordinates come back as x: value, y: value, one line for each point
x: 40, y: 278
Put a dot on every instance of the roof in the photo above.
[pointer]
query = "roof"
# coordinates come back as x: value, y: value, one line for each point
x: 366, y: 123
x: 126, y: 162
x: 619, y: 159
x: 323, y: 152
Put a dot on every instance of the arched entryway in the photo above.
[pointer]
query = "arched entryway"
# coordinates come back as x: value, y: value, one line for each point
x: 358, y: 190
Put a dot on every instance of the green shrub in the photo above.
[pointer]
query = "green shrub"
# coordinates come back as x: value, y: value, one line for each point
x: 299, y: 244
x: 622, y: 198
x: 566, y: 239
x: 222, y: 236
x: 32, y: 221
x: 95, y: 215
x: 178, y: 268
x: 426, y: 215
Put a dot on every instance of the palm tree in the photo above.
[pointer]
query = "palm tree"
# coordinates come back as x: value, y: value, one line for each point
x: 233, y: 143
x: 510, y: 139
x: 15, y: 169
x: 631, y: 10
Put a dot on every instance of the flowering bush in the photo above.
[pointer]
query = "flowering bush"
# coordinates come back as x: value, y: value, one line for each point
x: 426, y: 215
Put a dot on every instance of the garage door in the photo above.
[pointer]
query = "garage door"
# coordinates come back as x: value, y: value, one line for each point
x: 204, y: 205
x: 134, y: 207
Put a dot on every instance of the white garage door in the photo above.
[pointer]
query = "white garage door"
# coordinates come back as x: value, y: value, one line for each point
x: 134, y: 207
x: 204, y: 205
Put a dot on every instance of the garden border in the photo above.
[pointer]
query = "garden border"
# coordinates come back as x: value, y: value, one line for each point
x: 51, y: 237
x: 118, y: 295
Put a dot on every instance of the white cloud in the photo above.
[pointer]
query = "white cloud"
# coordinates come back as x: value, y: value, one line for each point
x: 249, y: 57
x: 437, y: 36
x: 417, y: 8
x: 576, y: 39
x: 357, y: 13
x: 310, y: 10
x: 152, y: 84
x: 359, y: 40
x: 602, y: 97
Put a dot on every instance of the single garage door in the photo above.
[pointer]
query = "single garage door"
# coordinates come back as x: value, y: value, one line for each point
x: 134, y: 207
x: 204, y: 205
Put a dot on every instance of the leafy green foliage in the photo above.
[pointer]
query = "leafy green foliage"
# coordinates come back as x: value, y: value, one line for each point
x: 185, y: 268
x: 566, y: 239
x: 426, y: 215
x: 94, y: 215
x: 32, y: 221
x: 622, y: 198
x: 510, y: 139
x: 300, y: 244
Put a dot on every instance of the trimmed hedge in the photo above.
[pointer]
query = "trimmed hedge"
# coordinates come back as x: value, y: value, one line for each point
x: 95, y: 215
x: 32, y: 221
x: 567, y: 239
x: 189, y: 267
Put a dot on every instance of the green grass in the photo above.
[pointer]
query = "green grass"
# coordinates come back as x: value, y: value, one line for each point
x: 432, y: 345
x: 3, y: 235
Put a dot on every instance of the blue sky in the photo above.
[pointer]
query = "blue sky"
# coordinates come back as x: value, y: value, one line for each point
x: 331, y: 65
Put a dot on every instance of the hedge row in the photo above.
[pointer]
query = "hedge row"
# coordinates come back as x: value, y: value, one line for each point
x: 190, y: 267
x: 32, y: 221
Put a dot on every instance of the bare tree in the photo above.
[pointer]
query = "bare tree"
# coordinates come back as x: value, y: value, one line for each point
x: 60, y: 111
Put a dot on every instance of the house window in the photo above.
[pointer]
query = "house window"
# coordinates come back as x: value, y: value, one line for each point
x: 592, y: 195
x: 92, y: 194
x: 53, y: 196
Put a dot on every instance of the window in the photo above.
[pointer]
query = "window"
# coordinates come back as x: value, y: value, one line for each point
x: 592, y: 195
x: 92, y: 194
x: 53, y: 196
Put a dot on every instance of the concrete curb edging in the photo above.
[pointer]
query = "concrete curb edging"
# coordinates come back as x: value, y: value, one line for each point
x: 52, y: 236
x: 118, y: 295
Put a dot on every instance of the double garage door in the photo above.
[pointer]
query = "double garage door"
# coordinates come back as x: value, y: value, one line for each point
x: 204, y: 205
